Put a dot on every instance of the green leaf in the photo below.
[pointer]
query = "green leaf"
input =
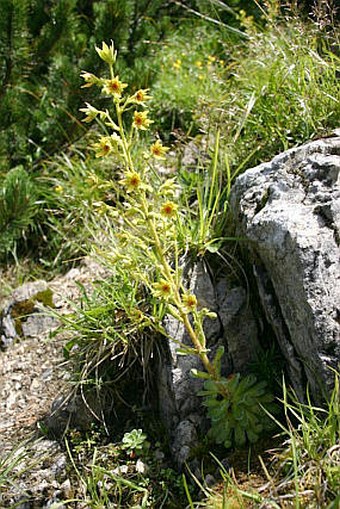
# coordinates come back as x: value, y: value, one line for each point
x: 214, y: 246
x: 186, y: 350
x: 200, y: 374
x: 240, y: 436
x: 232, y: 382
x: 218, y: 358
x: 210, y: 386
x: 227, y: 444
x: 239, y: 413
x: 68, y: 347
x: 219, y: 411
x: 210, y: 400
x: 252, y: 436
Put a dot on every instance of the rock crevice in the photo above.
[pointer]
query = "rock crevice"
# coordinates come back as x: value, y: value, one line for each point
x: 289, y: 212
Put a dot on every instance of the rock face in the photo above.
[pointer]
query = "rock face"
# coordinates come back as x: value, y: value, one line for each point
x: 22, y: 316
x: 234, y: 328
x: 288, y: 212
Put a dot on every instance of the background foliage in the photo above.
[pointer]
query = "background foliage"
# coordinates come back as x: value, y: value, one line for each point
x: 42, y: 47
x: 261, y: 74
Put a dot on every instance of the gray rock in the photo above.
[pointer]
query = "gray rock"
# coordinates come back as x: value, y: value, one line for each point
x: 23, y: 314
x: 289, y: 212
x: 29, y: 290
x: 184, y: 438
x: 240, y: 338
x: 37, y: 324
x: 234, y: 328
x: 180, y: 407
x: 7, y: 330
x: 72, y: 410
x: 209, y: 480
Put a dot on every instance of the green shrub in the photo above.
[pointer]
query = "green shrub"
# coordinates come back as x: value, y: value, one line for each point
x: 18, y: 207
x: 41, y: 47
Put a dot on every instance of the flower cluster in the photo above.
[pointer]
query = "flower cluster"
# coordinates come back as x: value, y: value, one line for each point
x: 114, y: 88
x: 146, y: 215
x: 143, y: 246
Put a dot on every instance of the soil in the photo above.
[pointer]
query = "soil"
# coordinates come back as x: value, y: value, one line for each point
x: 32, y: 377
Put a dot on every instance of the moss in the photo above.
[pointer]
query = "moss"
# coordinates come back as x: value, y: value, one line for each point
x: 45, y: 297
x: 20, y: 310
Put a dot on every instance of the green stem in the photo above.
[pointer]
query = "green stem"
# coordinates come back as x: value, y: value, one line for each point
x: 127, y: 155
x: 177, y: 297
x: 160, y: 255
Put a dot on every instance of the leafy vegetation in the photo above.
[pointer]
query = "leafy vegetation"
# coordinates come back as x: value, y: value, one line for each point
x: 7, y: 466
x: 117, y: 476
x: 18, y: 207
x: 283, y: 92
x: 304, y: 470
x: 270, y: 91
x: 239, y: 418
x: 42, y: 47
x: 274, y: 75
x: 239, y: 82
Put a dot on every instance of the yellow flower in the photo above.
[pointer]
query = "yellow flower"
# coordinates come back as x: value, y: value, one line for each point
x: 131, y: 181
x: 169, y: 209
x: 162, y: 289
x: 92, y: 179
x: 114, y: 87
x: 211, y: 59
x: 59, y: 189
x: 138, y: 316
x: 198, y: 64
x: 168, y: 188
x: 141, y: 120
x: 177, y: 65
x: 107, y: 144
x: 141, y: 96
x: 90, y: 113
x: 90, y: 79
x: 103, y: 147
x: 189, y: 301
x: 108, y: 54
x: 158, y: 150
x: 102, y: 209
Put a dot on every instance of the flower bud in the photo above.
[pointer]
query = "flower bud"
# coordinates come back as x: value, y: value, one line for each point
x: 108, y: 54
x: 90, y: 79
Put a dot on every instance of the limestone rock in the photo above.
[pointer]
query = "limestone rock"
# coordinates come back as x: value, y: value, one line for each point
x: 22, y: 315
x: 180, y: 407
x: 288, y: 211
x: 234, y: 328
